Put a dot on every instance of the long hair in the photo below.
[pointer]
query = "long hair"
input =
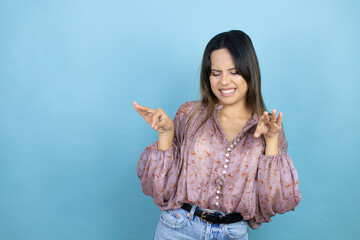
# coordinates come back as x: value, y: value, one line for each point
x: 243, y: 53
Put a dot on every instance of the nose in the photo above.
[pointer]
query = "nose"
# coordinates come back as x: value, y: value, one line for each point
x: 225, y: 79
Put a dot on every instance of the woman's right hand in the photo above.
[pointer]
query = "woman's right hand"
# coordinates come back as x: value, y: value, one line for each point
x: 156, y: 118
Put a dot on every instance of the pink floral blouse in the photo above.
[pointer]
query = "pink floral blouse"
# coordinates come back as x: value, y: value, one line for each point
x: 201, y: 168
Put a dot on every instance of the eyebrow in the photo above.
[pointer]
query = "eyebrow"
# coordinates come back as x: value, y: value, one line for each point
x: 220, y: 70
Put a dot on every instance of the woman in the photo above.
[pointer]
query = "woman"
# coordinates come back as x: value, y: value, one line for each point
x: 221, y: 165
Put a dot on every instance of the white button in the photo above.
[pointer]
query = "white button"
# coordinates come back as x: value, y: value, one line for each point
x: 225, y: 166
x: 229, y: 149
x: 227, y: 160
x: 231, y: 146
x: 235, y: 143
x: 217, y: 197
x: 224, y: 171
x: 220, y: 183
x: 227, y: 154
x: 218, y: 191
x: 223, y: 177
x: 238, y: 140
x: 217, y: 203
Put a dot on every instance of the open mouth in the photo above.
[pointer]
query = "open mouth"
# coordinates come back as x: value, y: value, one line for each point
x: 227, y: 92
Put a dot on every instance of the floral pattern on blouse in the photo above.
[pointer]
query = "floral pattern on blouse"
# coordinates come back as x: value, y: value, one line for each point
x: 201, y: 168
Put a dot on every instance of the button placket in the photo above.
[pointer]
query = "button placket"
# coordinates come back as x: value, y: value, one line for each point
x: 225, y: 166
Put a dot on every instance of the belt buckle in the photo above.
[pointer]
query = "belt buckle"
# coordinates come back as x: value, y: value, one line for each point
x: 203, y: 215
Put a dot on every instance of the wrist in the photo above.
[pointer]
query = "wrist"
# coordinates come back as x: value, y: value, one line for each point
x: 271, y: 146
x: 272, y: 140
x: 169, y: 133
x: 165, y: 140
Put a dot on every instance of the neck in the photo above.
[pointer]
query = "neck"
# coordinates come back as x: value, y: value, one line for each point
x: 236, y: 111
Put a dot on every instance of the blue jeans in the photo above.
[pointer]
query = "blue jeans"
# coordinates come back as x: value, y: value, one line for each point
x: 182, y: 225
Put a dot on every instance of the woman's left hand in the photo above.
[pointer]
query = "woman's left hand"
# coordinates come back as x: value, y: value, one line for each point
x: 269, y: 127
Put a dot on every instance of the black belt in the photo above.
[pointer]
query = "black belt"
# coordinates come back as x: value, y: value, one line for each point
x: 213, y: 216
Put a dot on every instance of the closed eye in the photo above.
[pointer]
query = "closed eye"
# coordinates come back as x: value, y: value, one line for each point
x: 218, y: 74
x: 215, y: 75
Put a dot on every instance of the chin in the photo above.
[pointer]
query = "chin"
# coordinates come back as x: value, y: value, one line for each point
x: 227, y: 102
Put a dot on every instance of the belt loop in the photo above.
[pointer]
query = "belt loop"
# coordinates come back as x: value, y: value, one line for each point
x: 193, y: 208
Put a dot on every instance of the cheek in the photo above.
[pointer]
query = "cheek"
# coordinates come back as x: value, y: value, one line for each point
x: 213, y: 84
x: 242, y: 83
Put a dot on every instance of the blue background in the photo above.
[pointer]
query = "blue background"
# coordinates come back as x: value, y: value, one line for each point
x: 70, y: 138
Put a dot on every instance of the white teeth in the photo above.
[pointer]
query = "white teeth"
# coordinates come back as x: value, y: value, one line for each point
x: 228, y: 91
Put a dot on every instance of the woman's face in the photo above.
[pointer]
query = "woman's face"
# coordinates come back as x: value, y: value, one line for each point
x: 229, y: 87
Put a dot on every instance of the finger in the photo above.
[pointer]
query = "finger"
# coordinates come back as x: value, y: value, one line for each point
x: 146, y: 114
x: 136, y: 105
x: 143, y: 108
x: 258, y: 130
x: 278, y: 122
x: 273, y: 116
x: 266, y: 117
x: 162, y: 124
x: 156, y: 118
x: 143, y: 113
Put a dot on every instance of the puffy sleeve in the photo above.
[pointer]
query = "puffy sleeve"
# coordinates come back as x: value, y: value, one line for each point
x: 277, y: 184
x: 158, y: 170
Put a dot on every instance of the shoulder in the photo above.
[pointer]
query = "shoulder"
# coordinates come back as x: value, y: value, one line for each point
x: 187, y: 108
x: 187, y: 115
